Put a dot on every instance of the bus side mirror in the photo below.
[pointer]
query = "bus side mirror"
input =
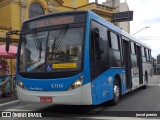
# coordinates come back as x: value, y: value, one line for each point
x: 8, y: 40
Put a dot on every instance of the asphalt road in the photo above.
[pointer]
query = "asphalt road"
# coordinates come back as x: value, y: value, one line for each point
x: 140, y: 101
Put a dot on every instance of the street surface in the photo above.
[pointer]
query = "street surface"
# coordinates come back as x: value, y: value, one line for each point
x: 138, y: 101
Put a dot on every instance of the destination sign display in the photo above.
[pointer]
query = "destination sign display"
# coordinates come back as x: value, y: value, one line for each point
x: 54, y: 20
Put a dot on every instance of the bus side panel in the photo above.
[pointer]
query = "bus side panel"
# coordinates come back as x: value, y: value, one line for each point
x: 135, y: 77
x: 112, y: 73
x: 87, y: 53
x: 101, y: 90
x: 105, y: 89
x: 149, y: 71
x: 93, y: 93
x: 146, y: 68
x: 123, y: 82
x: 86, y: 94
x: 102, y: 87
x: 96, y: 91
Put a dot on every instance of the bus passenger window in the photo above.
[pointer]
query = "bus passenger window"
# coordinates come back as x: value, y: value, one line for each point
x: 99, y: 51
x: 142, y: 49
x: 95, y: 48
x: 145, y: 52
x: 149, y: 53
x: 132, y: 48
x: 147, y: 56
x: 114, y: 41
x: 135, y: 48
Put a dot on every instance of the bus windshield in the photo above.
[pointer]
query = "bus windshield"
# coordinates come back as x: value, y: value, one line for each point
x: 56, y: 50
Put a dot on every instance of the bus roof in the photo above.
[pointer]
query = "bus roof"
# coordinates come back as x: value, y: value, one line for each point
x: 108, y: 24
x: 118, y: 30
x: 56, y: 13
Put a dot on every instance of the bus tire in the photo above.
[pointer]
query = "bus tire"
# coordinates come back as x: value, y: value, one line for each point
x: 116, y: 92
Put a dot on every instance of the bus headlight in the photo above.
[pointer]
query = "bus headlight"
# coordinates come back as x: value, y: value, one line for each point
x: 20, y: 84
x: 76, y: 84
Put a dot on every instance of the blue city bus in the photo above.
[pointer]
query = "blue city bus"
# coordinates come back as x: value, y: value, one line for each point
x: 78, y: 58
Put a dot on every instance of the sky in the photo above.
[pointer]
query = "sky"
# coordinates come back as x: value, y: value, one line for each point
x: 145, y: 14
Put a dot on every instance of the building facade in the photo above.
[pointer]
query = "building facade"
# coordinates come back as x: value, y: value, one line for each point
x: 120, y: 7
x: 158, y: 59
x: 14, y: 12
x: 158, y: 65
x: 124, y: 25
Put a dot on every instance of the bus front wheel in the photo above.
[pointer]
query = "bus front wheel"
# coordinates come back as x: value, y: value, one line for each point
x: 116, y: 92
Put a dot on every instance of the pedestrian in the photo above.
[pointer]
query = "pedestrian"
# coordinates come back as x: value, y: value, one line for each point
x: 3, y: 74
x: 2, y: 67
x: 11, y: 85
x: 4, y: 83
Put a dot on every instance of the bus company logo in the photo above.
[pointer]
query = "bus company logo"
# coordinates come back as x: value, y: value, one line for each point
x: 6, y: 114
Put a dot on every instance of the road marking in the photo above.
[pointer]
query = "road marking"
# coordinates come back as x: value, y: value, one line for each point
x: 9, y: 103
x: 153, y: 84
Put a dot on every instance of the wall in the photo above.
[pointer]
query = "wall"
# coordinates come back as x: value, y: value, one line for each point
x: 5, y: 18
x: 14, y: 12
x: 120, y: 7
x: 12, y: 15
x: 75, y: 3
x: 124, y: 25
x: 5, y: 15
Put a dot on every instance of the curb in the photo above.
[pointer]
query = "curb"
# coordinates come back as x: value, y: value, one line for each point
x: 9, y: 103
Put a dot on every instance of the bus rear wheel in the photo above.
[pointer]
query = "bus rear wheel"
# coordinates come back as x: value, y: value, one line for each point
x: 116, y: 92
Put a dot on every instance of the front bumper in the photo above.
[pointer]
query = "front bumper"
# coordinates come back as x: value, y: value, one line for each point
x: 72, y: 97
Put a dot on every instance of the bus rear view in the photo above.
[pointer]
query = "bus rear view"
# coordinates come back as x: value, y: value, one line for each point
x: 51, y: 60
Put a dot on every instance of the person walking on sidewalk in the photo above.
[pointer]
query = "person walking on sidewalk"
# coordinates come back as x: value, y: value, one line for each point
x: 3, y: 74
x: 4, y: 84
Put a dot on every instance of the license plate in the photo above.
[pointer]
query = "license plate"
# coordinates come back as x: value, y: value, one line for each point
x: 46, y: 99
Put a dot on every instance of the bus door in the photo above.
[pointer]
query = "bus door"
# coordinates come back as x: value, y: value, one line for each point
x: 127, y: 63
x: 139, y: 59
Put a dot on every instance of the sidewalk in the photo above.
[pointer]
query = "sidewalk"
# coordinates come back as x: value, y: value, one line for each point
x: 9, y: 88
x: 8, y: 99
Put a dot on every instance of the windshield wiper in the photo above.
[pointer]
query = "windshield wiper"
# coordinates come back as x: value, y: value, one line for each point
x: 40, y: 49
x: 38, y: 43
x: 59, y: 39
